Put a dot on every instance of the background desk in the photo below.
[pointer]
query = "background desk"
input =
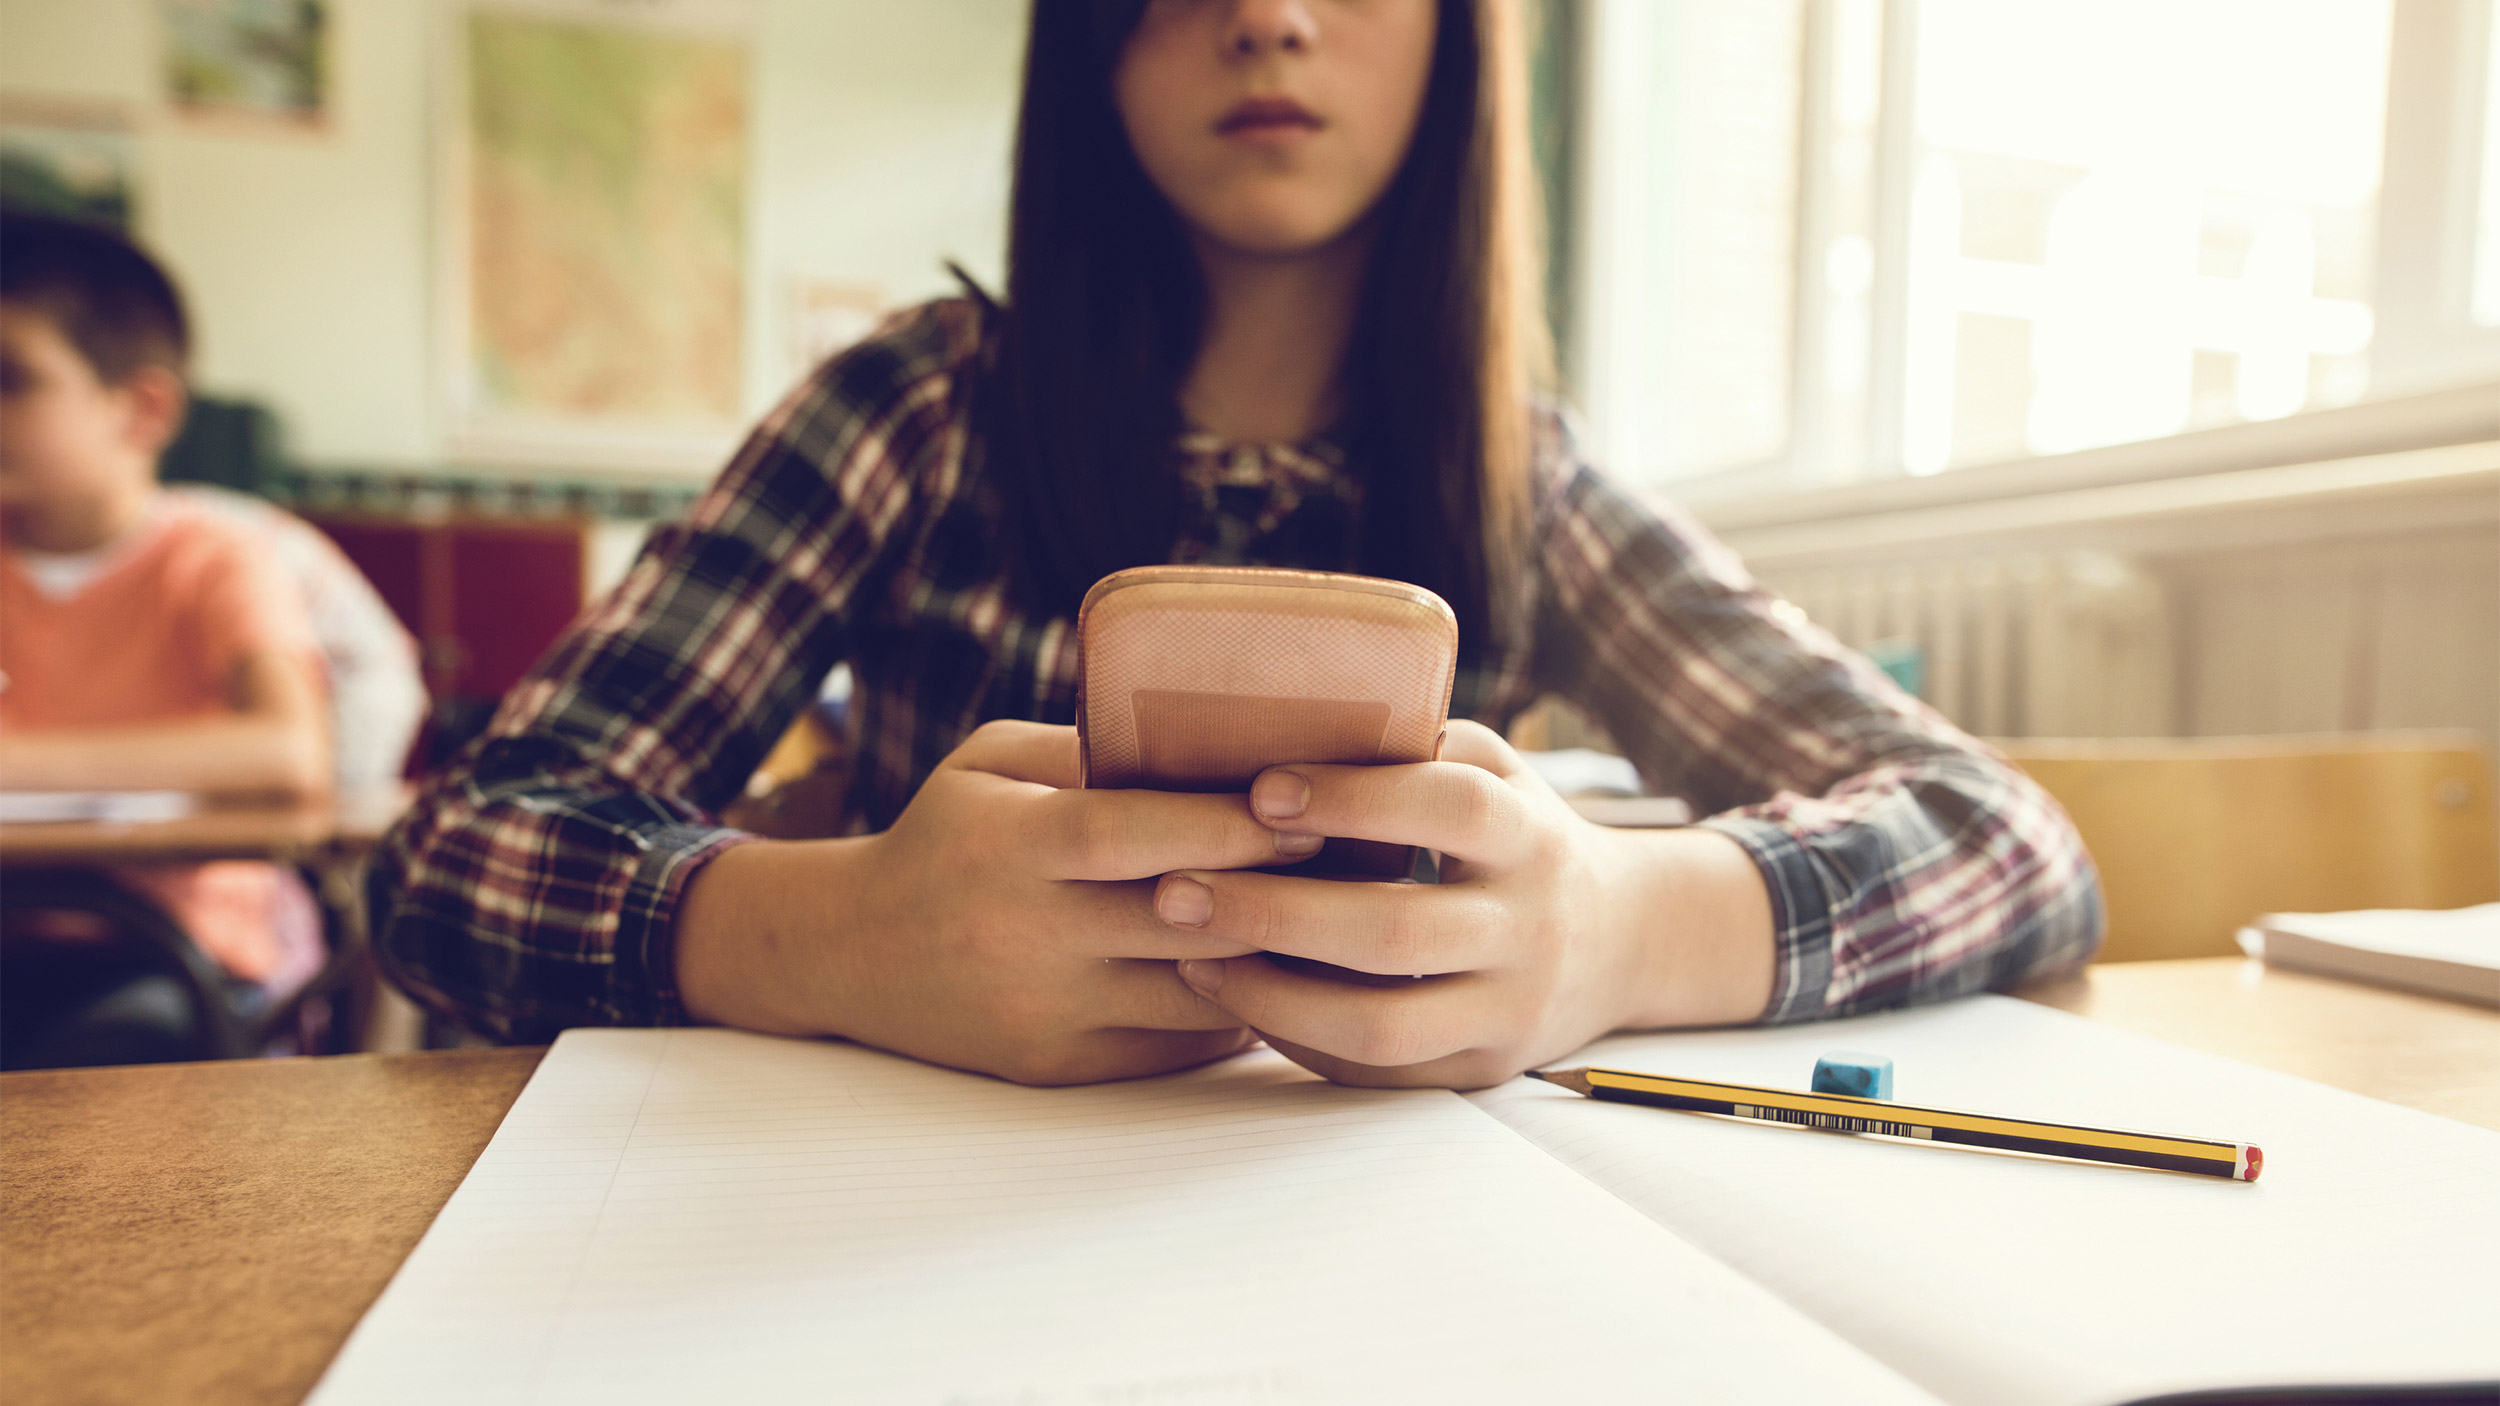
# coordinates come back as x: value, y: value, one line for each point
x: 2423, y: 1052
x: 210, y: 1232
x: 327, y: 838
x: 303, y: 832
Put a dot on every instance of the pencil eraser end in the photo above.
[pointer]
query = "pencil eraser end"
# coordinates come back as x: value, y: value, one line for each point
x: 1857, y: 1075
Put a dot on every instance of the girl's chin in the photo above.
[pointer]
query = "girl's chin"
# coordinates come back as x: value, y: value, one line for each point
x: 1275, y: 233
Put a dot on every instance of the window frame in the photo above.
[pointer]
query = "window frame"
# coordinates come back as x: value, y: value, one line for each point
x: 2432, y: 367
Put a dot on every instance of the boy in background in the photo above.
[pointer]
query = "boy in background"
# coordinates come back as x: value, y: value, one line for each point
x: 144, y: 644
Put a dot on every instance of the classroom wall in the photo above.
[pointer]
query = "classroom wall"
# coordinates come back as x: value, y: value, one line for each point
x: 879, y: 146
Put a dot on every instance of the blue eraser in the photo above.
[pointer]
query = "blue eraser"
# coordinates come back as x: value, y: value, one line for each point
x: 1848, y: 1072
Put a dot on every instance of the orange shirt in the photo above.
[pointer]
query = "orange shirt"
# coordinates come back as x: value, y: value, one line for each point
x: 155, y: 635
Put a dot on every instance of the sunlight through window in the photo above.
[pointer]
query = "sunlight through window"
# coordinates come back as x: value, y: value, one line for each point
x: 2137, y: 218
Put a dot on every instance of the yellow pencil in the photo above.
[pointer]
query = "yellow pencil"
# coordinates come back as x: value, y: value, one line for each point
x: 2233, y: 1161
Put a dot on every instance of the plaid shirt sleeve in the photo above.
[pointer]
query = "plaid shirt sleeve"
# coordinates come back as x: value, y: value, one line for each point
x: 1906, y: 861
x: 534, y: 884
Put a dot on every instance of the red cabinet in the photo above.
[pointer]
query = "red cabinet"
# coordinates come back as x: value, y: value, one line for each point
x: 485, y: 598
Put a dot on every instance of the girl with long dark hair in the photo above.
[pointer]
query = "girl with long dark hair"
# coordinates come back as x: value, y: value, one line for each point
x: 1270, y: 301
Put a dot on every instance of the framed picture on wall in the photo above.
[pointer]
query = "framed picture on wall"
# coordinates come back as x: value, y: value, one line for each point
x: 73, y: 159
x: 594, y: 188
x: 254, y: 62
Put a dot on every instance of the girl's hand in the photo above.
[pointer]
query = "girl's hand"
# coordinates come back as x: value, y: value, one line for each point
x: 1545, y: 931
x: 1003, y: 924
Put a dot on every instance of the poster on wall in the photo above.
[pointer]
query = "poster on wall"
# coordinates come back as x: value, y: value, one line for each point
x: 250, y: 61
x: 596, y: 285
x: 74, y: 160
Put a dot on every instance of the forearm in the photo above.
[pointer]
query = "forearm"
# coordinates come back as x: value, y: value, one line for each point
x: 1695, y: 907
x: 750, y: 934
x: 525, y: 893
x: 1901, y: 862
x: 1917, y: 881
x: 220, y: 754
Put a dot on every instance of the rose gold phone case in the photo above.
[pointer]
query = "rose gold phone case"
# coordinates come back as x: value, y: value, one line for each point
x: 1196, y: 678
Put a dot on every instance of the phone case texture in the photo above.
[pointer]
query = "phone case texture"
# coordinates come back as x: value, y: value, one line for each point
x: 1196, y: 678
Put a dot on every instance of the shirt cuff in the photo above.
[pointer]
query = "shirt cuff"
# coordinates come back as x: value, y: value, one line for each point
x: 646, y: 927
x: 1801, y: 917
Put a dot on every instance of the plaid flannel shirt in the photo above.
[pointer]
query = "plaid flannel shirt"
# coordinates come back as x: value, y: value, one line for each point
x: 535, y: 883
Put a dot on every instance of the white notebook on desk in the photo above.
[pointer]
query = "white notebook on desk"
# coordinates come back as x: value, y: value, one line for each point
x: 703, y: 1215
x: 2446, y: 952
x: 102, y: 807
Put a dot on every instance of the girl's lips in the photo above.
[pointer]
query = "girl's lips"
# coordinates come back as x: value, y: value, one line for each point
x: 1256, y: 117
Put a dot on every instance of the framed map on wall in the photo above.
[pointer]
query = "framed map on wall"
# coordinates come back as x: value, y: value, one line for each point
x: 265, y: 61
x: 596, y: 268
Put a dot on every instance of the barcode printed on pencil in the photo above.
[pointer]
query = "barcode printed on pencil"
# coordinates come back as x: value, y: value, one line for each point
x: 1834, y: 1122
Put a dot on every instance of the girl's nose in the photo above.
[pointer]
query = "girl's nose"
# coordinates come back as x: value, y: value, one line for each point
x: 1263, y: 26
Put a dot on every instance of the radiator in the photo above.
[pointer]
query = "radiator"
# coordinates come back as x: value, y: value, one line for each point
x: 2075, y: 644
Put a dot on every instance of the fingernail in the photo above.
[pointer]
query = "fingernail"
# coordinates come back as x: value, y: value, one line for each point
x: 1298, y: 846
x: 1281, y: 795
x: 1204, y: 976
x: 1184, y: 902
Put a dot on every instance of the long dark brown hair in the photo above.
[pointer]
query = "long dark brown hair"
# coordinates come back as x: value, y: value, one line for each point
x: 1105, y: 310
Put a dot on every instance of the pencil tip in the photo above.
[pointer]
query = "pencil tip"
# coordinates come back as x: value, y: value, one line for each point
x: 1576, y: 1080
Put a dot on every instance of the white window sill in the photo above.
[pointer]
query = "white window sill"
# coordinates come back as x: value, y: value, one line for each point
x: 2399, y: 464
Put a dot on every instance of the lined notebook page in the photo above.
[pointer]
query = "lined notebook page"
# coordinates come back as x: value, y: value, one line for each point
x: 2367, y: 1251
x: 683, y: 1215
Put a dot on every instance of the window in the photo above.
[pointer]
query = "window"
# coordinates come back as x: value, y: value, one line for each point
x: 2487, y: 221
x: 1830, y: 240
x: 1694, y: 208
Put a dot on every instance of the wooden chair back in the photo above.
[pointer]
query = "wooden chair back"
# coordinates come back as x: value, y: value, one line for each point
x: 798, y: 791
x: 2194, y: 837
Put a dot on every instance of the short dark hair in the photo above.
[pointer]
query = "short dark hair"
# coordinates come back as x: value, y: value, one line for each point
x: 110, y: 300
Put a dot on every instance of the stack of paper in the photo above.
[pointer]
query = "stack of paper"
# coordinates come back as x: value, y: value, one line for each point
x: 2451, y: 953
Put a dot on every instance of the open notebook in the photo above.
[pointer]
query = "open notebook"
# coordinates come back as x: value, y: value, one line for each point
x: 704, y: 1215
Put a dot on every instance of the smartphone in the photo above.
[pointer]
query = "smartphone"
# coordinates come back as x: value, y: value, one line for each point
x: 1197, y: 678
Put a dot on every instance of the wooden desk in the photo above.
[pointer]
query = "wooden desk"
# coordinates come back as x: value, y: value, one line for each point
x: 2421, y: 1051
x: 211, y: 1232
x: 342, y: 825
